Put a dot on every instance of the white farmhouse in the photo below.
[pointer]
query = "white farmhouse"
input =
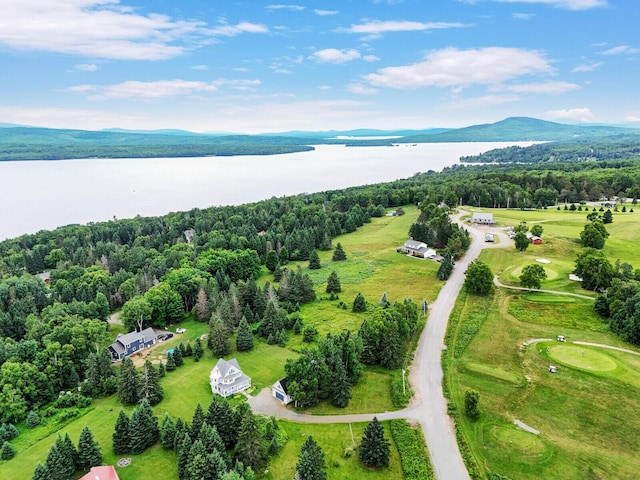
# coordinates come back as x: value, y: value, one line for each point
x: 227, y: 378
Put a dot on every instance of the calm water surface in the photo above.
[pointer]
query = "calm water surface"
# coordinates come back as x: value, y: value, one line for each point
x: 37, y: 195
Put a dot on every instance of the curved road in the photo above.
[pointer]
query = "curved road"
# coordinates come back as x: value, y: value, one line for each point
x: 428, y: 406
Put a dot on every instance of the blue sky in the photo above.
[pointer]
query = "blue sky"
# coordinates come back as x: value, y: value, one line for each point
x: 252, y: 67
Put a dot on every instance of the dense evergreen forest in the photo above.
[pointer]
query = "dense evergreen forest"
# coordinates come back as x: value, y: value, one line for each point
x: 607, y: 148
x: 204, y: 261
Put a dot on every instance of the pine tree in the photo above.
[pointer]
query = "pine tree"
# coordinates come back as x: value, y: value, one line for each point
x: 171, y: 362
x: 283, y: 255
x: 33, y: 419
x: 68, y: 449
x: 198, y: 352
x: 359, y: 304
x: 89, y: 454
x: 202, y: 306
x: 338, y: 253
x: 177, y: 356
x: 188, y: 350
x: 314, y: 260
x: 244, y: 339
x: 384, y: 301
x: 150, y: 388
x: 121, y: 438
x: 162, y: 371
x: 143, y: 427
x: 341, y: 388
x: 7, y: 452
x: 197, y: 465
x: 211, y: 439
x: 41, y: 473
x: 128, y: 383
x: 59, y: 462
x: 311, y: 465
x: 218, y: 340
x: 250, y: 447
x: 217, y: 463
x: 181, y: 429
x: 374, y: 448
x: 183, y: 456
x: 197, y: 422
x: 333, y: 283
x: 167, y: 432
x: 220, y: 415
x: 272, y: 260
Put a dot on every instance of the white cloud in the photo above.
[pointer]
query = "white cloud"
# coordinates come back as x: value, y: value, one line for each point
x: 200, y: 67
x: 293, y: 8
x: 370, y: 58
x: 632, y: 117
x: 579, y: 114
x: 158, y: 89
x: 324, y: 13
x: 377, y: 28
x: 324, y: 87
x: 620, y: 49
x: 360, y: 89
x: 86, y: 119
x: 333, y: 55
x: 564, y: 4
x: 554, y: 88
x: 480, y: 102
x: 452, y: 67
x: 586, y: 67
x: 93, y: 28
x: 523, y: 16
x: 242, y: 27
x: 86, y: 67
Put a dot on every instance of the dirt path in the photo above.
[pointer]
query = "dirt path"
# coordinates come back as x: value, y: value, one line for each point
x: 554, y: 292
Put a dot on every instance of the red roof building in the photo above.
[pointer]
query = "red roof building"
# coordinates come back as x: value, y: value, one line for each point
x: 101, y: 473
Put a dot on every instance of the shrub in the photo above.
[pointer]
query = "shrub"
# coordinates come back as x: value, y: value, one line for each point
x: 399, y: 396
x: 33, y: 419
x: 411, y: 447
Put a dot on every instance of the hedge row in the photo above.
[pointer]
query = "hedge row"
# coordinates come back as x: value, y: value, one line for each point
x: 413, y: 452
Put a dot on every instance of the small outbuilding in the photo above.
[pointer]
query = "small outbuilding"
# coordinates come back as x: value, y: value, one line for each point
x: 553, y: 369
x: 280, y: 392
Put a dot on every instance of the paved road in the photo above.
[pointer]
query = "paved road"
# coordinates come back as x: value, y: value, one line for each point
x: 428, y: 405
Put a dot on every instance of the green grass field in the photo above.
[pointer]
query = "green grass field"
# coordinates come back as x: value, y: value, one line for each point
x: 372, y: 267
x: 585, y: 412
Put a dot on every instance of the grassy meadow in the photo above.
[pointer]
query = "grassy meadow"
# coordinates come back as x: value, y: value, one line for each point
x: 372, y: 267
x: 586, y: 412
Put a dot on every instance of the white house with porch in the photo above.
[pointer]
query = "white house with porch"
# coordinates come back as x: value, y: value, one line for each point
x: 280, y: 392
x: 417, y: 249
x: 227, y: 378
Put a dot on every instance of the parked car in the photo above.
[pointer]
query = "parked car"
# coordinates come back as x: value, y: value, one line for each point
x: 181, y: 330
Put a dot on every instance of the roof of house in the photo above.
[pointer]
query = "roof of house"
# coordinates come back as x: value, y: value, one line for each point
x: 482, y: 216
x: 107, y: 472
x: 284, y: 383
x: 128, y: 338
x: 414, y: 244
x: 223, y: 366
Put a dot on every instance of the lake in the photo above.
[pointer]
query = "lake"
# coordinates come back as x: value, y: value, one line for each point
x: 39, y: 195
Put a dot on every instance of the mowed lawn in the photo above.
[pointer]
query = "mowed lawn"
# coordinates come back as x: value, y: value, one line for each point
x: 372, y: 267
x: 587, y: 412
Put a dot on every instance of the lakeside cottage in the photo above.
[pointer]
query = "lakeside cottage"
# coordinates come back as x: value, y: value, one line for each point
x: 132, y: 342
x: 227, y: 378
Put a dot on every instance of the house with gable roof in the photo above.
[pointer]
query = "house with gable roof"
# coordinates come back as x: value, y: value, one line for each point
x: 132, y: 342
x: 227, y: 378
x: 417, y: 249
x: 279, y: 390
x: 483, y: 219
x: 105, y: 472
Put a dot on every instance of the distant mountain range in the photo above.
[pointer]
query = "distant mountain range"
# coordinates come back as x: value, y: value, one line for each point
x: 35, y: 143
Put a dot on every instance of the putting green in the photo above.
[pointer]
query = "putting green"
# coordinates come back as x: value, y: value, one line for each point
x: 583, y: 358
x: 526, y: 444
x: 551, y: 273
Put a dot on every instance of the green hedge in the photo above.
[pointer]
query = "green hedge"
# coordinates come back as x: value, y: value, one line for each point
x: 400, y: 396
x: 413, y: 452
